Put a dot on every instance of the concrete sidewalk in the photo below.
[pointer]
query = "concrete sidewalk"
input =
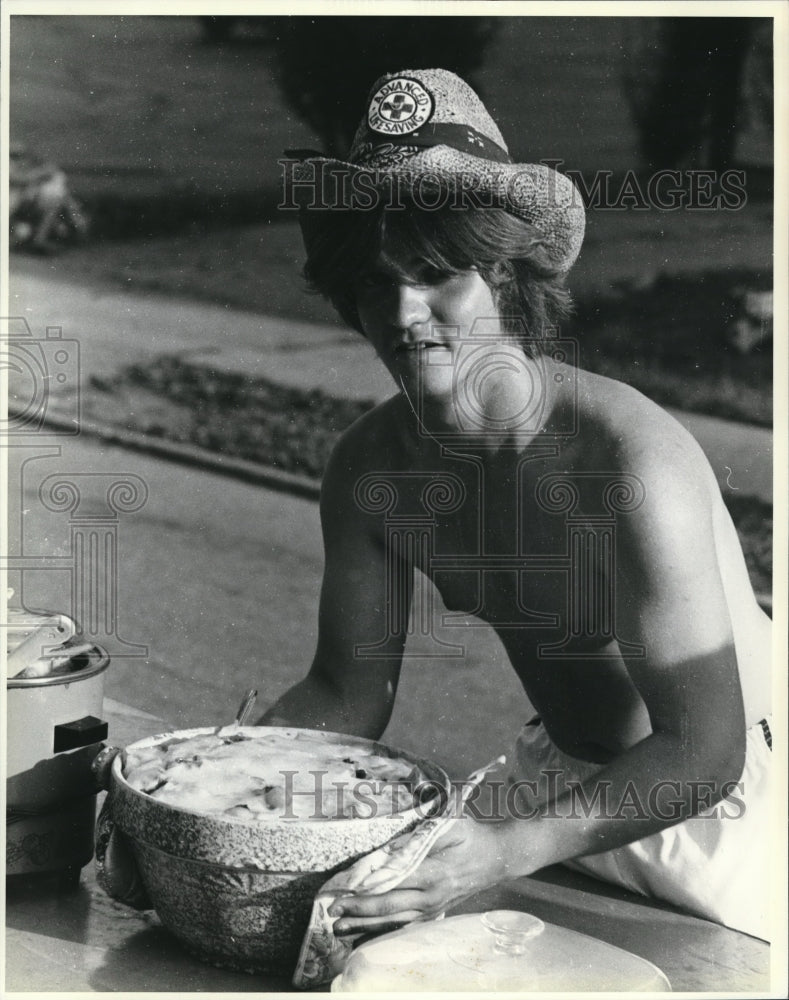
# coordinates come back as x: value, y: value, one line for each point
x: 115, y: 329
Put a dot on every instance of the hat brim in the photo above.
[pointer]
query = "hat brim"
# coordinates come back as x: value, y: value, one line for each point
x: 441, y: 175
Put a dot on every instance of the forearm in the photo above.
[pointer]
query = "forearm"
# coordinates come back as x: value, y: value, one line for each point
x: 650, y: 787
x: 316, y: 703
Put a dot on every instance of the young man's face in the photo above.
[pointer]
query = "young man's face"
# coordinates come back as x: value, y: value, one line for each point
x: 420, y: 320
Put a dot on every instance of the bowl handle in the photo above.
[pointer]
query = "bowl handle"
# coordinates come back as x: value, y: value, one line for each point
x: 101, y: 767
x: 116, y: 868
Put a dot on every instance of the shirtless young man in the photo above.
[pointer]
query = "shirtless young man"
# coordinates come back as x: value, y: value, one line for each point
x: 569, y: 512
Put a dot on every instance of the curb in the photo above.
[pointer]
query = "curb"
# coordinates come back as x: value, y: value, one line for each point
x: 185, y: 454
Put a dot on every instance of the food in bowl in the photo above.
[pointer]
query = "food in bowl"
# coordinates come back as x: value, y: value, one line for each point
x: 262, y: 774
x: 237, y: 890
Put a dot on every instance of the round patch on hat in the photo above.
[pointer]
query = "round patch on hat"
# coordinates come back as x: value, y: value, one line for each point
x: 399, y: 106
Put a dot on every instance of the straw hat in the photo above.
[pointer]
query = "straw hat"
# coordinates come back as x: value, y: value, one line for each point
x: 427, y: 130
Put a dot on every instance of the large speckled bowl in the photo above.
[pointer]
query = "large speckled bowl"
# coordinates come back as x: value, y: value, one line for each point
x: 236, y: 892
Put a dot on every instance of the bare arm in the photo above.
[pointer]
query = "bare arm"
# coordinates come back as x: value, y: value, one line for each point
x: 670, y: 600
x: 350, y: 687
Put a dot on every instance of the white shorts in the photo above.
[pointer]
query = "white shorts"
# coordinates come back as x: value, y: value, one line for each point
x: 715, y: 865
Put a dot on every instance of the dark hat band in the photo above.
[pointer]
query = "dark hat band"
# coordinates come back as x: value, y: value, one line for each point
x: 461, y: 137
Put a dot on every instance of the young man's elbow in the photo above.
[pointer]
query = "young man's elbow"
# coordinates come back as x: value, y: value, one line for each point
x: 721, y: 767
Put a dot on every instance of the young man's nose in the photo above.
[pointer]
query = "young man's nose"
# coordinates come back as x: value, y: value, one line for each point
x: 410, y: 306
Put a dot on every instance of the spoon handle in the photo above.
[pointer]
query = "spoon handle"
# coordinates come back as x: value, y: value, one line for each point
x: 246, y: 706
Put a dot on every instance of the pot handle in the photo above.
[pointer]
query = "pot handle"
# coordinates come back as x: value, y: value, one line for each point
x: 79, y: 733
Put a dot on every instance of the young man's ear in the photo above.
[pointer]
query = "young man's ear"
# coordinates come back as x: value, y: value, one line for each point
x: 499, y: 279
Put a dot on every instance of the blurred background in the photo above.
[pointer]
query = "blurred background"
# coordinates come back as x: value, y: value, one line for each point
x: 144, y: 162
x: 169, y: 129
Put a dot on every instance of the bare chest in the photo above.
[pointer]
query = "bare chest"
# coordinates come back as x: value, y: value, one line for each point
x: 534, y: 552
x: 533, y: 556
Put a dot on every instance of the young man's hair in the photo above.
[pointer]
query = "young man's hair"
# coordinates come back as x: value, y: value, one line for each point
x: 510, y: 255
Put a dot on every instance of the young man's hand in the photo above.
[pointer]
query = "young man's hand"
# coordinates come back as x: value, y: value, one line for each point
x: 468, y: 858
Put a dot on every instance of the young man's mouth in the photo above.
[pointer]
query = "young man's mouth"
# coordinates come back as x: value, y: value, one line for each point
x: 418, y: 346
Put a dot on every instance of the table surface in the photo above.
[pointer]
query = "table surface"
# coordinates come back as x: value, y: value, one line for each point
x: 74, y: 938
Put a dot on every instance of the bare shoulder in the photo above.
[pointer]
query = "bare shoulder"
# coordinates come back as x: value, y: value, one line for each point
x: 372, y: 444
x: 630, y: 433
x: 673, y: 502
x: 668, y: 555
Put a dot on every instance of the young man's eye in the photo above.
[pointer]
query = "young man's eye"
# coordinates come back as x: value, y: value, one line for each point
x: 430, y: 275
x: 424, y: 275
